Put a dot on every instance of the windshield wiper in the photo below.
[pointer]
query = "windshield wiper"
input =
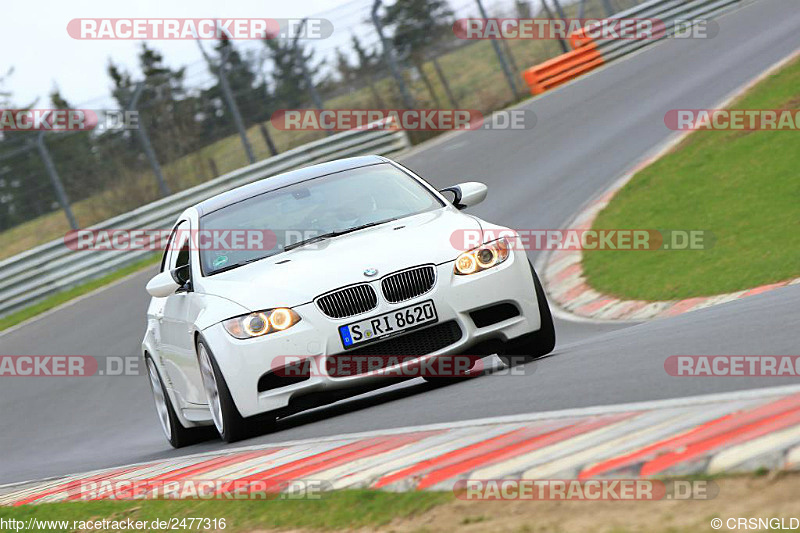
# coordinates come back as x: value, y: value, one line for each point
x: 240, y: 263
x: 330, y: 234
x: 304, y: 242
x: 316, y: 238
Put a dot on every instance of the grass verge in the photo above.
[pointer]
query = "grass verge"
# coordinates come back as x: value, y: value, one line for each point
x: 62, y: 297
x: 349, y: 509
x: 722, y: 497
x: 741, y: 186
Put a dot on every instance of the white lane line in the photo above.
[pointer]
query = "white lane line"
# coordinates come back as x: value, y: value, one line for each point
x: 751, y: 394
x: 13, y: 497
x: 68, y: 303
x: 764, y: 392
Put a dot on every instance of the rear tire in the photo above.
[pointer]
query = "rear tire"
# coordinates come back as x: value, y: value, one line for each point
x: 230, y: 424
x: 538, y: 343
x: 177, y: 435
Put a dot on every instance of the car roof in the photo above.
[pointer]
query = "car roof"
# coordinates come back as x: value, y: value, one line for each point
x: 279, y: 181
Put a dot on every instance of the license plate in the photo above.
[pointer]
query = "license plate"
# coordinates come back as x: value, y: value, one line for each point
x: 391, y: 323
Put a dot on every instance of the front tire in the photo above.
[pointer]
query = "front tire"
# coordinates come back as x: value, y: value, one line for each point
x: 538, y: 343
x: 230, y: 424
x: 177, y: 435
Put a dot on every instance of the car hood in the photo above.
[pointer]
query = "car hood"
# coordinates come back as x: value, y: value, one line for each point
x: 298, y: 276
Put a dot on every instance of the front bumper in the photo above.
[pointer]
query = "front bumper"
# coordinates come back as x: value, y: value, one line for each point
x: 244, y: 362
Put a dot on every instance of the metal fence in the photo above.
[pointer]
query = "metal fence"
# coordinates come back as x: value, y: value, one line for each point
x: 213, y: 116
x: 670, y: 13
x: 53, y: 267
x: 209, y: 118
x: 687, y: 18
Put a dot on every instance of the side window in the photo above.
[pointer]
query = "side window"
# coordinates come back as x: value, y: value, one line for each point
x: 165, y: 259
x: 177, y: 245
x: 182, y: 257
x: 179, y: 254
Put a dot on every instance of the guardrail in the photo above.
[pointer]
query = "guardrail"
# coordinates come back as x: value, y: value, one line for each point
x: 52, y: 267
x: 669, y: 12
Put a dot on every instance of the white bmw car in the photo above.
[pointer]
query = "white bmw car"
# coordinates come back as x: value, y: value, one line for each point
x: 375, y: 272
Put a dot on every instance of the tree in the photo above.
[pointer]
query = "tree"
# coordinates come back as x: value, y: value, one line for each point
x: 290, y: 86
x: 348, y: 72
x: 167, y: 111
x: 243, y: 82
x: 368, y: 63
x: 523, y: 9
x: 75, y: 154
x: 25, y: 192
x: 5, y: 96
x: 419, y: 25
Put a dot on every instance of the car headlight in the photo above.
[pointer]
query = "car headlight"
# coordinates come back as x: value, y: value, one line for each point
x: 261, y: 323
x: 483, y: 257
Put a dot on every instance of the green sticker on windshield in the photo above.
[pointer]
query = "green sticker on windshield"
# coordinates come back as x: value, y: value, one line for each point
x: 220, y: 261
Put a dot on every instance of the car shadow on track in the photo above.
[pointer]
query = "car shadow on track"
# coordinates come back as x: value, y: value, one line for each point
x: 375, y: 396
x: 348, y: 402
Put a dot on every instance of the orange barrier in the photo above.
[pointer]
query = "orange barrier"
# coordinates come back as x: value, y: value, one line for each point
x: 563, y: 68
x: 578, y: 39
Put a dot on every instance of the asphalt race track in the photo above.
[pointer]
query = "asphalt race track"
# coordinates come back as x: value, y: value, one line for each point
x: 587, y: 134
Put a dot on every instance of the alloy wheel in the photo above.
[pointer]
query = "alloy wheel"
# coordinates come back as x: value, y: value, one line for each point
x: 161, y: 401
x: 210, y: 386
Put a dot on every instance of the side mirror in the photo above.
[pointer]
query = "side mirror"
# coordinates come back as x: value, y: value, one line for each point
x: 162, y: 285
x: 182, y: 275
x: 466, y: 194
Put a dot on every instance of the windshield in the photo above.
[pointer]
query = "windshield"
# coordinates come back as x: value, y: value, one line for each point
x: 313, y: 208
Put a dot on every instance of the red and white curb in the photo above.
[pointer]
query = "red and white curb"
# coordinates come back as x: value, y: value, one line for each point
x: 731, y: 432
x: 563, y: 273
